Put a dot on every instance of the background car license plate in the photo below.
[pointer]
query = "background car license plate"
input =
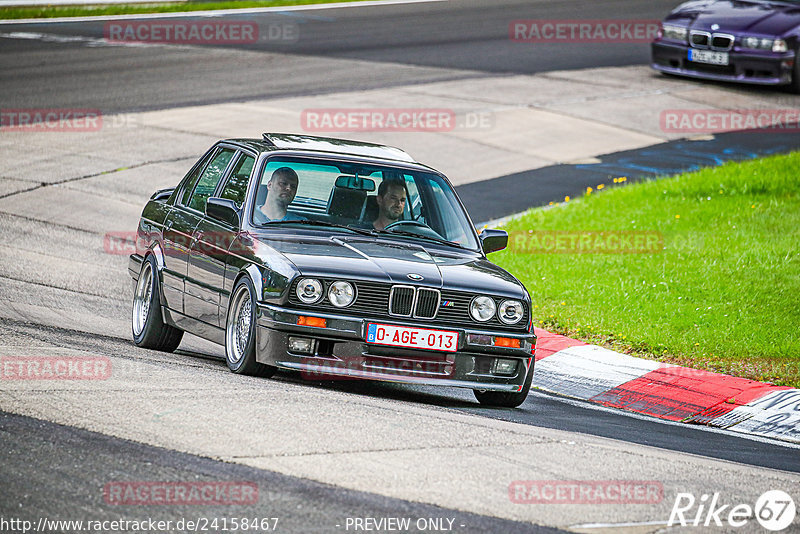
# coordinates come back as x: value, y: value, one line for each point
x: 708, y: 56
x: 415, y: 338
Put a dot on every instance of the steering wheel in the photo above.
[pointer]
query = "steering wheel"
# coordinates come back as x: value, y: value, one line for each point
x: 415, y: 227
x: 407, y: 223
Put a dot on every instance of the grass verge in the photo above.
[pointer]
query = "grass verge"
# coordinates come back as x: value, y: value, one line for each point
x: 44, y: 12
x: 721, y: 292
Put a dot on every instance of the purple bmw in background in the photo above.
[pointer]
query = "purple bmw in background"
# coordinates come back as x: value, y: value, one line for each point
x: 750, y: 41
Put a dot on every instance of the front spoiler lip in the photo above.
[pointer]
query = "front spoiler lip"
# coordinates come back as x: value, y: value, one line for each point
x: 718, y: 77
x: 384, y: 377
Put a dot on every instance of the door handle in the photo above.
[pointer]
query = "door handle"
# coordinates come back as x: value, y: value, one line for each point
x: 168, y: 226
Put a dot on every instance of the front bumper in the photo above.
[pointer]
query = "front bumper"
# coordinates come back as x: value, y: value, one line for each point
x: 341, y: 352
x: 763, y: 68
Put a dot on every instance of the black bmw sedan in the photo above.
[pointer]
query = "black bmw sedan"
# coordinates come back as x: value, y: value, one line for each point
x: 335, y: 258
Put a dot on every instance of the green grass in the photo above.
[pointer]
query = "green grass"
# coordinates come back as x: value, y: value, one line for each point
x: 155, y: 7
x: 723, y: 294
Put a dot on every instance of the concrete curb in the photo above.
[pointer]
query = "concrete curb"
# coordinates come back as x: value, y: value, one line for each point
x: 588, y: 372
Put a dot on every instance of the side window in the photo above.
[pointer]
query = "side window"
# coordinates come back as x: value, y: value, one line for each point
x: 414, y: 201
x: 191, y: 180
x: 236, y: 187
x: 210, y: 179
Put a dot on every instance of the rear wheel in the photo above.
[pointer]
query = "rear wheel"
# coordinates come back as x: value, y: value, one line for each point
x: 505, y: 400
x: 240, y: 333
x: 147, y: 325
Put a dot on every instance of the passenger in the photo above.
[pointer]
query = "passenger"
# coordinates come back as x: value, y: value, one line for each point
x: 281, y: 189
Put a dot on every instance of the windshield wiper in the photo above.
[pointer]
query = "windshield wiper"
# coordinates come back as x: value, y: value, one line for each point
x: 311, y: 222
x: 412, y: 234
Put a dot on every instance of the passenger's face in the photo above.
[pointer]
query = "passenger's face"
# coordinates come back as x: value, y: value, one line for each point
x: 392, y: 203
x: 284, y: 186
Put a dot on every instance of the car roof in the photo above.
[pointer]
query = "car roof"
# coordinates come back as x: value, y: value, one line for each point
x: 279, y: 141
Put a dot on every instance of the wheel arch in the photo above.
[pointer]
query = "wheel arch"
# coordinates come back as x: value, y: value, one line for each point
x: 158, y: 254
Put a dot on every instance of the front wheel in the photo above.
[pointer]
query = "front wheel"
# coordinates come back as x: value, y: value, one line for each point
x: 506, y: 400
x: 240, y: 333
x: 148, y: 326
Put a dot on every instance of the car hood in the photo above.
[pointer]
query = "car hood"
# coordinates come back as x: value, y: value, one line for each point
x: 760, y: 18
x: 391, y: 261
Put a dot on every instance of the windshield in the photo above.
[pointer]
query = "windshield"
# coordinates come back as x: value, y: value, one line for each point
x: 365, y: 198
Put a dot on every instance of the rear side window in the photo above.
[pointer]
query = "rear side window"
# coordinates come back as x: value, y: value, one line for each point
x: 210, y: 179
x: 236, y: 188
x: 190, y: 181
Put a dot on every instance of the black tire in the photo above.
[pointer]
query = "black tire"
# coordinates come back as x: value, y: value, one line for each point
x: 501, y: 399
x: 147, y: 324
x: 240, y: 351
x: 794, y: 86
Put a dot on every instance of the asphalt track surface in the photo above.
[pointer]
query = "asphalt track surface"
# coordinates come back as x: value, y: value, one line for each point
x: 45, y: 462
x: 492, y: 199
x: 54, y: 468
x: 382, y: 46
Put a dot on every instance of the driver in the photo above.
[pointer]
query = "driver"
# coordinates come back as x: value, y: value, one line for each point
x: 391, y: 201
x: 281, y: 189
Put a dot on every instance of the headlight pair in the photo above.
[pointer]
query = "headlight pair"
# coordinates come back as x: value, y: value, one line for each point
x: 340, y: 293
x: 483, y: 309
x: 764, y: 43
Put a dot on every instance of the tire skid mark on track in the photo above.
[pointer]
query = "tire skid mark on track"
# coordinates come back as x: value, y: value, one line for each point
x: 101, y: 173
x: 50, y: 223
x: 76, y: 340
x: 50, y: 286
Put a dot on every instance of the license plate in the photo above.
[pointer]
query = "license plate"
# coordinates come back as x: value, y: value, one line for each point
x: 708, y: 56
x: 413, y: 338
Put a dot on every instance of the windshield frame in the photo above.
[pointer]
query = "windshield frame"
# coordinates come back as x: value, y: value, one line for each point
x: 337, y: 160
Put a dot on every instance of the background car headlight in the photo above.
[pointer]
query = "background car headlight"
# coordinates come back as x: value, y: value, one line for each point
x: 482, y: 308
x: 309, y: 290
x: 341, y: 294
x: 676, y: 33
x: 510, y: 311
x: 764, y: 43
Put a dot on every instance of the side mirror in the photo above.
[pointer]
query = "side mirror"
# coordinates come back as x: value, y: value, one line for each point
x: 493, y: 240
x: 223, y: 210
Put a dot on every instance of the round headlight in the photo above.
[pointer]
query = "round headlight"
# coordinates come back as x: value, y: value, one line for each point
x: 341, y: 294
x: 482, y: 308
x: 511, y: 311
x: 309, y: 290
x: 751, y: 42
